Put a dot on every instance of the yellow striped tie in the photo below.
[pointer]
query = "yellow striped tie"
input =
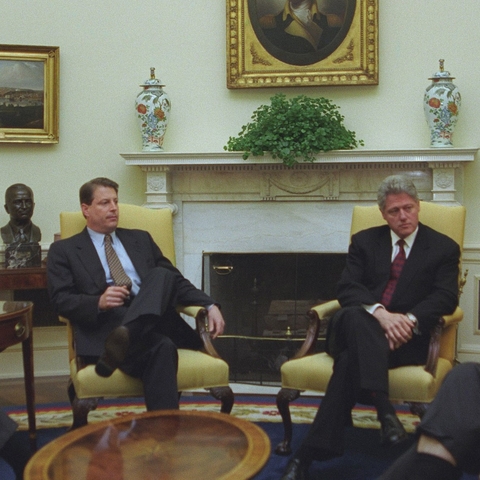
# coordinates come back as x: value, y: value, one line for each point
x: 116, y: 270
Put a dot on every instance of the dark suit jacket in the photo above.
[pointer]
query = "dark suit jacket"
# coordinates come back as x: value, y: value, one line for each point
x: 427, y: 287
x: 76, y: 280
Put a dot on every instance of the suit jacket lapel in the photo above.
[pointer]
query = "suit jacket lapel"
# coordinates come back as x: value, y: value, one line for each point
x: 132, y: 245
x: 87, y: 255
x: 383, y: 254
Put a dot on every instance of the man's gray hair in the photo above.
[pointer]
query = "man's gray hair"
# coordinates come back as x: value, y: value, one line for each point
x: 394, y: 185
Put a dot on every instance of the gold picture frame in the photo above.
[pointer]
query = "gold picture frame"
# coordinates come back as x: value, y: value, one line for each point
x: 29, y: 92
x: 260, y: 53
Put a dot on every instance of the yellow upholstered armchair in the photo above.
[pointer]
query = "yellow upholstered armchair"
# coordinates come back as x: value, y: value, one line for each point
x: 196, y: 369
x: 415, y: 385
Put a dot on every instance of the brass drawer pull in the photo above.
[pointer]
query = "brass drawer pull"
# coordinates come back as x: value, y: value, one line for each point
x: 20, y: 329
x: 223, y: 269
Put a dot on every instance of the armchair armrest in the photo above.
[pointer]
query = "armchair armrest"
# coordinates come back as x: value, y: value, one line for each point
x: 455, y: 318
x: 434, y: 347
x: 317, y: 314
x: 201, y: 322
x: 327, y: 309
x: 197, y: 312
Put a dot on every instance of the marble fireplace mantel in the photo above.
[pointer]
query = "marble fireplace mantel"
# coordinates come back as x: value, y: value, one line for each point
x: 349, y: 175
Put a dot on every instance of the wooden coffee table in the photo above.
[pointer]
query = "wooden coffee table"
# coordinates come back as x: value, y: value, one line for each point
x: 168, y: 444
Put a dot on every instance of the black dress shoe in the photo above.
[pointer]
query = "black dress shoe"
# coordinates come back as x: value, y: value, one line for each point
x: 295, y: 470
x: 392, y: 431
x: 116, y: 346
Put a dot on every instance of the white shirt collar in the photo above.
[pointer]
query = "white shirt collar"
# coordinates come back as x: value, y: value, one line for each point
x: 408, y: 240
x: 98, y: 237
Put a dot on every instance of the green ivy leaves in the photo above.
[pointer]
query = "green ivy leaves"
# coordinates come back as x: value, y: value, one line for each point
x: 291, y: 129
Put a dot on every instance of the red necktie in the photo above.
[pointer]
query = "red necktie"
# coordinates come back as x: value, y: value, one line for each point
x: 395, y: 271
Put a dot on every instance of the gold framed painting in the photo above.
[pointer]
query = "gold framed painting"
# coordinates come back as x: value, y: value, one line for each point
x: 29, y: 93
x: 294, y: 43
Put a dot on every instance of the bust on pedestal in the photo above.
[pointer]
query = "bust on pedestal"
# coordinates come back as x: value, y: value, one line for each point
x: 20, y: 235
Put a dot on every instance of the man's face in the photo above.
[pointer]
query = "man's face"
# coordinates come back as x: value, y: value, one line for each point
x: 20, y: 205
x: 401, y: 214
x: 102, y: 214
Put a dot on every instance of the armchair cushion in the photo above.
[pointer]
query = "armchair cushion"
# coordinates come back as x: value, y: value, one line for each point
x: 409, y: 383
x: 195, y: 370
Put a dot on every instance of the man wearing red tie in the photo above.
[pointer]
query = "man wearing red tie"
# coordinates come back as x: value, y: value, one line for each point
x: 398, y: 280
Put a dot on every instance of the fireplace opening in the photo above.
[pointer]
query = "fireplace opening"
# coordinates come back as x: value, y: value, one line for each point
x: 265, y: 298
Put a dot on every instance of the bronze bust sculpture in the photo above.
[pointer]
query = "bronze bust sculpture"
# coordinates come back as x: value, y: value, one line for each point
x: 20, y: 235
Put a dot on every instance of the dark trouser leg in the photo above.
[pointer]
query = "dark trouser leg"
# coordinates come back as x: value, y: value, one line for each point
x: 325, y: 437
x: 453, y: 418
x: 156, y: 296
x: 154, y: 309
x: 360, y: 349
x: 414, y: 466
x: 16, y: 452
x: 155, y: 362
x: 355, y: 330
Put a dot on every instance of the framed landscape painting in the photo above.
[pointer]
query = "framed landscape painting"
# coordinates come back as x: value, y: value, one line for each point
x: 292, y: 43
x: 29, y: 90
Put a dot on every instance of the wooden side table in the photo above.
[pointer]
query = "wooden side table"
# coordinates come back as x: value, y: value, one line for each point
x: 16, y: 327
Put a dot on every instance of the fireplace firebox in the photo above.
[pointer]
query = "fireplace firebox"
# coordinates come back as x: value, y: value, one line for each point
x: 265, y: 298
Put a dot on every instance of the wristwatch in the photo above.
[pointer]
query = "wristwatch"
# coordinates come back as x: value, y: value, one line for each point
x: 414, y: 320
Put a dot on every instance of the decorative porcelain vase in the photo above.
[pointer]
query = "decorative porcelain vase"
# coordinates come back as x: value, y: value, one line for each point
x: 153, y: 111
x: 441, y: 105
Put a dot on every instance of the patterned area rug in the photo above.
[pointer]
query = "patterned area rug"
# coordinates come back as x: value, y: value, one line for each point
x: 252, y: 408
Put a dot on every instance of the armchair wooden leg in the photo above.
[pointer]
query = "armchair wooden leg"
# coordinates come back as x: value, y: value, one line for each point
x: 226, y: 397
x: 284, y: 397
x: 80, y: 407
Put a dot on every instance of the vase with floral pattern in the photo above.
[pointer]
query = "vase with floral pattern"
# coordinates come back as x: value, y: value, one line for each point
x: 441, y: 105
x: 153, y: 111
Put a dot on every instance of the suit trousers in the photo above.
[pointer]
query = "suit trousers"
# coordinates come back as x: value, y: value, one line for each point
x: 362, y: 358
x: 156, y: 331
x: 453, y: 418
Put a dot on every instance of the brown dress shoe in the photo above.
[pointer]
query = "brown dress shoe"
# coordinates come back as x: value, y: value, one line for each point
x: 116, y: 346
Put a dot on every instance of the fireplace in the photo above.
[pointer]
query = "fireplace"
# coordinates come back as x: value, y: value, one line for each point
x: 223, y: 203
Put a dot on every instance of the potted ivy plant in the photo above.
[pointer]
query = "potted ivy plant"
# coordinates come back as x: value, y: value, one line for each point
x: 294, y: 129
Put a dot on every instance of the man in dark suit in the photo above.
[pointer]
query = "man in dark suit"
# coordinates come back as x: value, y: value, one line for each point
x: 13, y: 448
x: 448, y: 437
x: 398, y: 281
x: 132, y: 324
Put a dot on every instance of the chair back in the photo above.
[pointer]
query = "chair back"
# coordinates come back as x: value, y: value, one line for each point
x: 158, y: 222
x: 444, y: 219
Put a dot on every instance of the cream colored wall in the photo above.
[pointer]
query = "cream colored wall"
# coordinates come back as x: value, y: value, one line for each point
x: 108, y: 46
